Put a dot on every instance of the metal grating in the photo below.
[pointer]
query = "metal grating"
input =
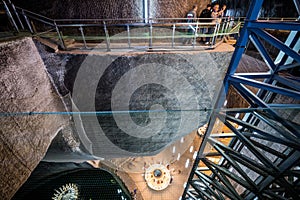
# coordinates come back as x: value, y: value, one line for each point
x: 258, y: 154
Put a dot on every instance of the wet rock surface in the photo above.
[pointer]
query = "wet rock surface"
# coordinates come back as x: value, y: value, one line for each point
x: 24, y: 88
x: 167, y: 95
x: 175, y: 9
x: 105, y: 9
x: 82, y: 9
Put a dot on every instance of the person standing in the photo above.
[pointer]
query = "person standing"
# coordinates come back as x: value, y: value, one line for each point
x: 191, y: 18
x: 205, y: 18
x: 223, y: 11
x: 206, y: 13
x: 215, y: 15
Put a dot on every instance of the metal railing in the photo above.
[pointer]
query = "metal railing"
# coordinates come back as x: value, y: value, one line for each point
x: 173, y: 31
x: 126, y: 32
x: 157, y: 32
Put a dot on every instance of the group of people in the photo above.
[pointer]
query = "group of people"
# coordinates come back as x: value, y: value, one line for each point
x: 211, y: 14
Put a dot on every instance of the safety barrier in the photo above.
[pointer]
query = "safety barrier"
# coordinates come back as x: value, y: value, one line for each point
x: 124, y: 33
x: 120, y: 33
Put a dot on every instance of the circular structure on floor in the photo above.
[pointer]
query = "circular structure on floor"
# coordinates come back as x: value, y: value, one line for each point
x: 157, y: 177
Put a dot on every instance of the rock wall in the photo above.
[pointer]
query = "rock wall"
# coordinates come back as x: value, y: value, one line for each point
x: 80, y: 9
x: 106, y: 9
x: 24, y: 138
x: 181, y: 86
x: 174, y: 8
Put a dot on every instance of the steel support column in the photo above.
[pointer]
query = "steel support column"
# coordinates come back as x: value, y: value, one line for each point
x: 261, y: 155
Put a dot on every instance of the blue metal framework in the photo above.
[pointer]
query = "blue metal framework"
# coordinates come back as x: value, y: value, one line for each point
x: 258, y: 157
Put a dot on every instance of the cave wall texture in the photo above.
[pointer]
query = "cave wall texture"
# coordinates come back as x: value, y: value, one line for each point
x: 24, y: 139
x: 174, y: 8
x: 106, y: 9
x: 81, y: 9
x: 138, y: 81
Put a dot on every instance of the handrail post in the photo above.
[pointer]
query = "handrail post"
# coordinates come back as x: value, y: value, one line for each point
x: 128, y: 36
x: 27, y: 21
x: 150, y: 34
x: 224, y: 25
x: 16, y: 13
x: 195, y: 35
x: 217, y: 26
x: 227, y: 24
x: 62, y: 43
x: 83, y: 37
x: 223, y: 22
x: 213, y: 36
x: 106, y: 37
x: 173, y: 35
x: 10, y: 16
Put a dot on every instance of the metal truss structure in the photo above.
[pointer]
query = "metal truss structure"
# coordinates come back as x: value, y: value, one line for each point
x: 258, y: 154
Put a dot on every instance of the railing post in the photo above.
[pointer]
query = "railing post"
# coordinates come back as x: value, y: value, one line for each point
x: 150, y: 34
x: 16, y: 13
x: 217, y: 26
x: 10, y: 16
x: 195, y: 35
x: 173, y: 35
x: 106, y: 37
x: 27, y: 22
x: 62, y: 44
x: 128, y: 36
x: 223, y: 22
x: 227, y: 24
x: 83, y: 37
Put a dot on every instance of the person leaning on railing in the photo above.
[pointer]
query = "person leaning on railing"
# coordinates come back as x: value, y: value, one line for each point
x: 216, y: 15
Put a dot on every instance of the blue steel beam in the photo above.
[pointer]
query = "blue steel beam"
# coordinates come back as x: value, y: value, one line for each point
x: 265, y: 160
x: 210, y: 192
x: 265, y: 86
x: 284, y: 138
x: 297, y: 5
x: 281, y: 129
x: 259, y: 102
x: 285, y: 165
x: 223, y: 172
x: 293, y: 42
x: 252, y: 15
x: 276, y: 43
x: 289, y: 66
x: 215, y: 184
x: 229, y: 154
x: 263, y: 52
x: 262, y: 114
x: 262, y: 75
x: 277, y: 25
x: 246, y: 181
x: 288, y: 82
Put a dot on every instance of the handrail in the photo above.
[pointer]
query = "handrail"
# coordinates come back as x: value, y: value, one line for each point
x: 226, y: 26
x: 164, y: 19
x: 140, y: 24
x: 32, y: 13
